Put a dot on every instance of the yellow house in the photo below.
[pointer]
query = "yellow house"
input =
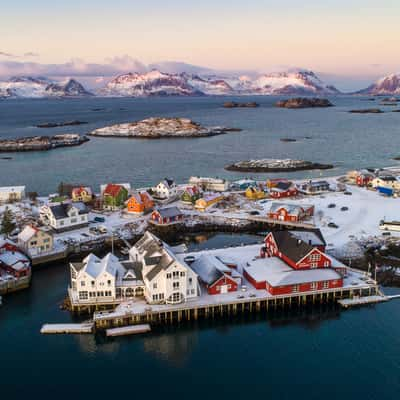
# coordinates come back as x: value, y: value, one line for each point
x: 81, y: 193
x: 207, y: 201
x: 254, y: 193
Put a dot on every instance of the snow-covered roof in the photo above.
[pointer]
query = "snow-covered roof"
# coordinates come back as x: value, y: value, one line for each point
x: 14, y: 259
x: 291, y: 208
x: 310, y: 237
x: 94, y: 266
x: 209, y: 268
x: 27, y: 233
x: 277, y: 273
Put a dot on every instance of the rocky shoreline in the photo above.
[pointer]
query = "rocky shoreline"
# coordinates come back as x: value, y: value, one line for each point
x: 160, y: 128
x: 272, y: 165
x: 303, y: 102
x: 41, y: 143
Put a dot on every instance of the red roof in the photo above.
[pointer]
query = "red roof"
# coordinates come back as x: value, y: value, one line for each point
x: 112, y: 189
x: 78, y: 190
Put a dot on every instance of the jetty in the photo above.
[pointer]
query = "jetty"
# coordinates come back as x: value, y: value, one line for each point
x: 85, y: 327
x: 365, y: 300
x: 128, y: 330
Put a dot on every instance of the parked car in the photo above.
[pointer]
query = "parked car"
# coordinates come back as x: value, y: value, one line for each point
x: 344, y: 208
x: 347, y: 193
x: 254, y: 213
x: 102, y: 229
x: 99, y: 219
x: 331, y: 205
x: 332, y: 225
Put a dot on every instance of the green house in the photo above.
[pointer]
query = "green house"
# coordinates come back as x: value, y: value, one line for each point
x: 114, y: 196
x: 190, y: 195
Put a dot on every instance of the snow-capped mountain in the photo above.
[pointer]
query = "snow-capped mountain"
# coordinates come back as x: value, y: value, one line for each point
x: 153, y: 83
x: 291, y: 83
x: 385, y: 86
x: 156, y: 83
x: 40, y: 87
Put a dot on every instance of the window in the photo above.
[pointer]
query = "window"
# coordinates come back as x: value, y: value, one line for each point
x: 168, y: 276
x: 192, y: 291
x: 326, y: 285
x: 314, y: 265
x: 83, y: 283
x: 175, y: 274
x: 190, y: 281
x: 154, y: 285
x: 92, y: 283
x: 313, y: 285
x: 326, y: 263
x: 82, y: 218
x: 109, y: 282
x: 34, y: 243
x: 161, y: 296
x: 73, y: 220
x: 295, y: 288
x: 155, y: 297
x: 47, y: 240
x: 83, y: 295
x: 175, y: 285
x: 61, y: 223
x: 182, y: 273
x: 315, y: 257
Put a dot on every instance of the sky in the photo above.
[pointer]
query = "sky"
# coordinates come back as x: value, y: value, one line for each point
x: 346, y: 41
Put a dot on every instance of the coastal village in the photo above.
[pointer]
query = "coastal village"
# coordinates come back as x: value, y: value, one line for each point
x: 312, y: 231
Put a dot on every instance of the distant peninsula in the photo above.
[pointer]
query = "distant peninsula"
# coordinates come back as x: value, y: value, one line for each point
x: 304, y: 102
x: 158, y: 128
x: 234, y: 104
x: 59, y: 124
x: 273, y: 165
x: 41, y: 143
x: 367, y: 111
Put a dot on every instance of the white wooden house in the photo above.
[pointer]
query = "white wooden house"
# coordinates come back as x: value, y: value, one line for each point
x: 166, y: 279
x: 166, y: 189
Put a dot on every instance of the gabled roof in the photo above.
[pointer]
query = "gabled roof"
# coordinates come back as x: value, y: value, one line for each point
x: 169, y: 212
x: 313, y: 237
x: 78, y: 190
x: 282, y: 186
x: 112, y: 190
x: 27, y: 233
x: 209, y: 268
x: 290, y: 246
x: 94, y: 266
x: 292, y: 209
x: 60, y: 211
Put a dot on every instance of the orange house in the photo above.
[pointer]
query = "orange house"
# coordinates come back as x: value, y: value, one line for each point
x: 139, y: 203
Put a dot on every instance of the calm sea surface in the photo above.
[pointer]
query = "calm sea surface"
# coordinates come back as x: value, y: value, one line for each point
x: 346, y: 140
x: 321, y: 353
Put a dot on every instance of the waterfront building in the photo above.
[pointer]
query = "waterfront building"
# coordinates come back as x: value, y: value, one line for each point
x: 65, y: 216
x: 287, y: 264
x: 216, y: 276
x: 167, y: 279
x: 35, y: 241
x: 386, y: 181
x: 82, y: 193
x: 282, y: 190
x: 167, y: 216
x: 114, y: 196
x: 12, y: 261
x: 166, y: 190
x: 314, y: 187
x: 103, y: 281
x: 9, y: 194
x: 275, y: 181
x: 208, y: 200
x: 290, y: 212
x: 254, y: 193
x: 210, y: 184
x: 191, y: 194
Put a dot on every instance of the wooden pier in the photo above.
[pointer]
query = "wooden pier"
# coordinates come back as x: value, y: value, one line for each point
x: 168, y: 314
x: 86, y: 327
x: 128, y: 330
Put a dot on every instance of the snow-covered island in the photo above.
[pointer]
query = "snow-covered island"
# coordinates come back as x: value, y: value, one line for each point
x: 41, y: 143
x: 156, y: 128
x: 273, y: 165
x: 304, y: 102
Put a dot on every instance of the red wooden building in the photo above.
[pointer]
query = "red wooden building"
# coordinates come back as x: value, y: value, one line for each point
x: 288, y: 264
x: 290, y: 212
x: 216, y: 276
x: 283, y: 190
x: 167, y: 216
x: 13, y: 261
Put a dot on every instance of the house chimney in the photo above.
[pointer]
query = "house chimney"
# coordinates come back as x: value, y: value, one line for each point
x: 298, y: 242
